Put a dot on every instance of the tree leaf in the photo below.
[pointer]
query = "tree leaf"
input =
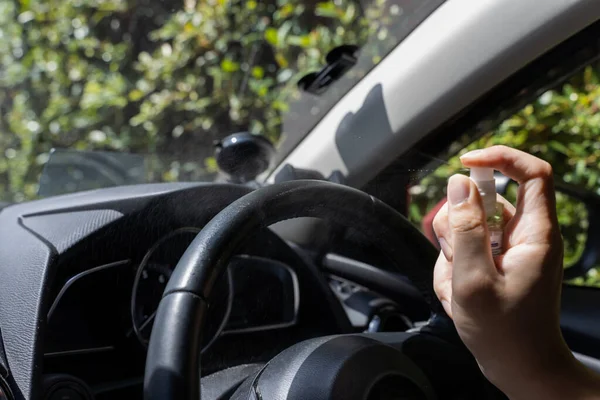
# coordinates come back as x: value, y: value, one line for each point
x: 327, y: 9
x: 258, y: 72
x: 557, y: 146
x: 271, y: 36
x: 228, y: 65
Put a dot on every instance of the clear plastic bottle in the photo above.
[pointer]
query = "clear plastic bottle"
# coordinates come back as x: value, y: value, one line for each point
x: 494, y: 210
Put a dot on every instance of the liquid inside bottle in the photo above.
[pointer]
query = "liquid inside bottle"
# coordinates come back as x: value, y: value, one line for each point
x: 494, y: 210
x: 495, y: 225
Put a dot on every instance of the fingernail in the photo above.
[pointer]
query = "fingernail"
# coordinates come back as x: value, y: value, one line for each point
x: 472, y: 154
x: 458, y: 189
x: 445, y: 248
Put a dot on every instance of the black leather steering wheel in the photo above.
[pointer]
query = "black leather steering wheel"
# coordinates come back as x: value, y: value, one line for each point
x: 173, y: 360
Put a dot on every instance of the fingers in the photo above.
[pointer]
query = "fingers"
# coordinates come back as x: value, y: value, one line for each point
x: 509, y: 209
x: 443, y: 232
x: 468, y: 228
x: 442, y: 283
x: 536, y: 193
x: 513, y: 163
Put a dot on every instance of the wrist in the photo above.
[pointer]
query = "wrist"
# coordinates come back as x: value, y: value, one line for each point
x: 563, y: 377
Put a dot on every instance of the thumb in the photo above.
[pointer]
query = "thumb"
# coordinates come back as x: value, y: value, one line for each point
x: 472, y: 255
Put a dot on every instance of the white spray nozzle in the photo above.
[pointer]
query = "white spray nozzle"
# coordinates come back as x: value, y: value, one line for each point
x: 482, y: 174
x: 484, y: 179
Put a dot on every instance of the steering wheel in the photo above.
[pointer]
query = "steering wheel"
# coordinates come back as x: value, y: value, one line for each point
x: 343, y: 366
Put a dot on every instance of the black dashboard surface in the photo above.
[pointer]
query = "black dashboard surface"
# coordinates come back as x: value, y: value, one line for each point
x: 35, y: 235
x: 47, y: 242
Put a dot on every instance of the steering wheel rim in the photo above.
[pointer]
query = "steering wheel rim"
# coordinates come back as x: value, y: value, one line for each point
x: 173, y: 360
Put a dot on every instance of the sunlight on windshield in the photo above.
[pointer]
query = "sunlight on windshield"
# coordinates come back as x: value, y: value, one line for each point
x: 168, y: 78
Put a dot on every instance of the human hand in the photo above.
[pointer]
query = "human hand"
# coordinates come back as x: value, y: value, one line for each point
x: 506, y: 309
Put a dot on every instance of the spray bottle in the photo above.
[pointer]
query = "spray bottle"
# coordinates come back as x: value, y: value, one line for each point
x: 494, y: 210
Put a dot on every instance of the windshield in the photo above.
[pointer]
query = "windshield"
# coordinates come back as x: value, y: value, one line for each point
x: 168, y: 78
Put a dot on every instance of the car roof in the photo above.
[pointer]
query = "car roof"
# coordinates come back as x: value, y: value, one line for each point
x: 457, y: 55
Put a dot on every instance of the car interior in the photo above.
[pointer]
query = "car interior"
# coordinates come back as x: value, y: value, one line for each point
x: 303, y: 276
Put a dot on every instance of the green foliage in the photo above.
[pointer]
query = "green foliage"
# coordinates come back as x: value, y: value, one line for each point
x: 165, y: 78
x: 233, y: 65
x: 562, y: 127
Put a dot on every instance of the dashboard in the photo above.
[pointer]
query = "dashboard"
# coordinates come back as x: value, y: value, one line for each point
x: 108, y: 305
x: 83, y: 275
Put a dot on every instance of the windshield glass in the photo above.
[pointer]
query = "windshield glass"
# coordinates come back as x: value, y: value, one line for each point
x: 168, y: 78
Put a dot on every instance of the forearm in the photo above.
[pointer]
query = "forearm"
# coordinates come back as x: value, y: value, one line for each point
x: 589, y: 385
x: 571, y: 380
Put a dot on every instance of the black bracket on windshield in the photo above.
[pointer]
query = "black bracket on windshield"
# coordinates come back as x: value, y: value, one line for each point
x: 339, y: 61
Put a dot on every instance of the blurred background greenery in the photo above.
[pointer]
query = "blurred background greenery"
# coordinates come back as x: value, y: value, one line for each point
x: 168, y: 78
